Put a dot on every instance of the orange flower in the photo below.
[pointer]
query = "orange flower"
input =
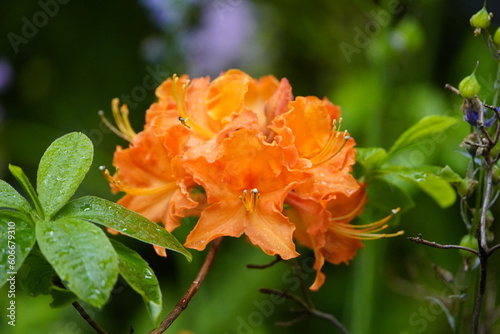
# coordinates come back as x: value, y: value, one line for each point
x: 324, y: 226
x: 252, y: 147
x: 151, y: 174
x: 246, y: 186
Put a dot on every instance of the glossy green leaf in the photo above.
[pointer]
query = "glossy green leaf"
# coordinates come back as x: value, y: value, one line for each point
x: 10, y: 198
x: 123, y: 220
x: 17, y: 237
x: 35, y: 276
x: 140, y: 277
x: 426, y: 179
x: 23, y: 180
x: 81, y: 255
x: 62, y: 169
x: 430, y: 126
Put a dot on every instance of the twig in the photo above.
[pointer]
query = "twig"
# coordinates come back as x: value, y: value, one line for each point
x: 264, y: 266
x: 494, y: 248
x: 483, y: 248
x: 89, y: 319
x: 452, y: 89
x: 307, y: 308
x: 421, y: 240
x: 183, y: 303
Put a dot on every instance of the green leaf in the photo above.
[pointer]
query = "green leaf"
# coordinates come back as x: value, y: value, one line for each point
x: 424, y: 177
x: 35, y: 275
x: 17, y: 237
x: 427, y: 126
x: 370, y: 157
x: 35, y: 278
x: 447, y: 174
x: 62, y: 169
x: 18, y: 173
x: 140, y: 277
x: 386, y: 195
x: 10, y: 198
x: 81, y: 255
x: 123, y: 220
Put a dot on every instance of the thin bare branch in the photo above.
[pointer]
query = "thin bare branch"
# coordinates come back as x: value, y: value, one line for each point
x: 421, y: 240
x: 89, y: 319
x: 183, y: 303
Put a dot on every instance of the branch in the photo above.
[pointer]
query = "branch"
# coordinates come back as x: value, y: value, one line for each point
x: 421, y: 240
x: 89, y: 319
x: 264, y: 266
x: 183, y: 303
x: 307, y: 308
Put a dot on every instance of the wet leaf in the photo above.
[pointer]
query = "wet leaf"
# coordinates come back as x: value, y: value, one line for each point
x: 17, y: 237
x: 140, y: 277
x: 10, y: 198
x: 62, y: 169
x: 123, y: 220
x: 81, y: 255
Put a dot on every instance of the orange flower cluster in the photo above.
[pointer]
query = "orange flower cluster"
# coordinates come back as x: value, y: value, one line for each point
x: 248, y: 158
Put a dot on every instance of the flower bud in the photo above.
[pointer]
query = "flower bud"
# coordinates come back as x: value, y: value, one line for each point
x: 481, y: 19
x: 496, y: 37
x: 495, y: 177
x: 466, y: 187
x: 468, y: 241
x: 469, y: 86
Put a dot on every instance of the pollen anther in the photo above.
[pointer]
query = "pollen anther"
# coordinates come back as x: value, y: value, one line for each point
x: 120, y: 114
x: 180, y: 100
x: 249, y: 199
x: 333, y: 146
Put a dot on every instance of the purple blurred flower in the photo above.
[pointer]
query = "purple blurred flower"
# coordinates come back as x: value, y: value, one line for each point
x: 223, y: 36
x: 224, y: 39
x: 6, y: 74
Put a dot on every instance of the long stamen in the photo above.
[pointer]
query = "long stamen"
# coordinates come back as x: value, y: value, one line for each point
x: 367, y: 231
x: 333, y: 146
x: 180, y: 100
x: 353, y: 212
x: 249, y: 199
x: 120, y: 115
x: 118, y: 185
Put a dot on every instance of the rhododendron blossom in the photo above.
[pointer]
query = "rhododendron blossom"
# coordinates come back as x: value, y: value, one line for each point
x: 247, y: 158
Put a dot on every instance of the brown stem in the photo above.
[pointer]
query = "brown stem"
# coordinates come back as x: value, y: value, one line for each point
x: 483, y: 249
x: 264, y: 266
x: 183, y: 303
x: 89, y: 319
x: 480, y: 294
x: 421, y: 240
x: 308, y: 308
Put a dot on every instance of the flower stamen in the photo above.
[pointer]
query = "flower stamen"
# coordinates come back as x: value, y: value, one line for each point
x: 120, y: 115
x: 249, y: 199
x: 118, y: 185
x: 333, y: 146
x: 367, y: 231
x: 180, y: 100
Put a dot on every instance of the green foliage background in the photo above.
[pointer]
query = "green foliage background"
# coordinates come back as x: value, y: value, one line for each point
x: 90, y: 52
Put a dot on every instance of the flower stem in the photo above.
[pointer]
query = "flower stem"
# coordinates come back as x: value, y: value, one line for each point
x: 307, y: 308
x: 89, y: 319
x: 183, y: 303
x: 483, y: 248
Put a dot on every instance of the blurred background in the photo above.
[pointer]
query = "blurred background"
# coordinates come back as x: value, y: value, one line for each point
x: 384, y: 62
